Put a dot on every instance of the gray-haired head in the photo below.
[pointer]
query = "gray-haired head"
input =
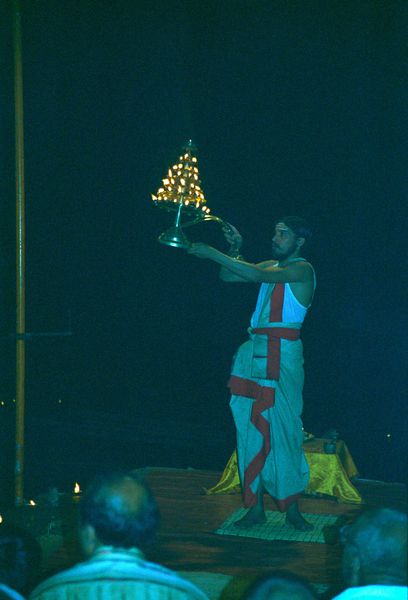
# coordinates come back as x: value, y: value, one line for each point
x: 280, y: 585
x: 375, y: 548
x: 121, y: 511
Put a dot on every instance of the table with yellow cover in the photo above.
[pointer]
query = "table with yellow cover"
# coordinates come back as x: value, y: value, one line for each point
x: 330, y: 474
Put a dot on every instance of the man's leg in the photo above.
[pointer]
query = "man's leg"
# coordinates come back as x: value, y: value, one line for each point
x: 295, y: 518
x: 256, y: 514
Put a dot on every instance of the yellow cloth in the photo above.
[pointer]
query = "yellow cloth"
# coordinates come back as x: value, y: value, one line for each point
x: 329, y: 473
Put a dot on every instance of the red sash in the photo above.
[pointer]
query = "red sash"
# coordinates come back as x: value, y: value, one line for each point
x: 275, y: 334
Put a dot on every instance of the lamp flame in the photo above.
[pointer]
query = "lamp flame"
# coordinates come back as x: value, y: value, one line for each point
x: 182, y: 184
x: 77, y: 489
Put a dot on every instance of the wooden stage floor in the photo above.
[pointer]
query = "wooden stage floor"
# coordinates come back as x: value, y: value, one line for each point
x: 186, y: 542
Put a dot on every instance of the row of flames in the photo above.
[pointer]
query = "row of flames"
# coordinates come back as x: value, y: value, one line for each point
x: 77, y: 490
x: 182, y: 184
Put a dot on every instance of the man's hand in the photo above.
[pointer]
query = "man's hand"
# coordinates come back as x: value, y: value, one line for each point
x: 232, y: 235
x: 201, y: 250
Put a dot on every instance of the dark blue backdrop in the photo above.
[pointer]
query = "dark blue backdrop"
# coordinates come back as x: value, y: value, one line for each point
x: 296, y: 108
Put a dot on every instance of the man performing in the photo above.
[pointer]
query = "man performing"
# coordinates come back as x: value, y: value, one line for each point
x: 267, y: 375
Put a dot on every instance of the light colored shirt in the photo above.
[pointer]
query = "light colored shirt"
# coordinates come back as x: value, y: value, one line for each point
x: 8, y: 592
x: 383, y: 592
x: 117, y: 573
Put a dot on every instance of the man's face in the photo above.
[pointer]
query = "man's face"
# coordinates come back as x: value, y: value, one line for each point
x: 284, y: 242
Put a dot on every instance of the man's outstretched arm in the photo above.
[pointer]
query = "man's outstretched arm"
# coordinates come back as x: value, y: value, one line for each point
x: 261, y: 273
x: 227, y: 275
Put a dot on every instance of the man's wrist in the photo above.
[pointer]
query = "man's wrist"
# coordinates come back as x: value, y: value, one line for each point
x: 234, y: 251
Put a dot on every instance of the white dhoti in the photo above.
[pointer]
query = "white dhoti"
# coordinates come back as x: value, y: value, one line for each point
x: 266, y: 385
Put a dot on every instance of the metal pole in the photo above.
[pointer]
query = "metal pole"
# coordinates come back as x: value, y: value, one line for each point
x: 20, y: 254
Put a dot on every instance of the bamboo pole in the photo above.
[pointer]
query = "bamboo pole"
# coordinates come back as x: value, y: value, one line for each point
x: 20, y: 254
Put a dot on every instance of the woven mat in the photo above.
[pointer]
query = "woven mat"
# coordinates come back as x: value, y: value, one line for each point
x: 325, y: 528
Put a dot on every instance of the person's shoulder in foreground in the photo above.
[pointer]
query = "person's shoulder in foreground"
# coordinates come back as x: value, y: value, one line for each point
x: 115, y: 572
x: 20, y: 559
x: 7, y: 593
x: 118, y: 517
x: 386, y: 592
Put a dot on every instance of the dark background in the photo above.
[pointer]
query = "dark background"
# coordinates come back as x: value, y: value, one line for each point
x: 296, y: 108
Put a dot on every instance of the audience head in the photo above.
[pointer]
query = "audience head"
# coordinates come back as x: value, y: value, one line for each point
x: 20, y: 558
x: 280, y: 585
x: 375, y: 549
x: 117, y: 510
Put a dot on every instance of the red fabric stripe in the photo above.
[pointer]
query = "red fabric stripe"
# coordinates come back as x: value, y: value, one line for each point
x: 274, y: 335
x: 250, y: 389
x: 274, y: 355
x: 283, y: 505
x: 276, y: 309
x: 286, y: 333
x: 256, y: 465
x: 275, y: 316
x: 264, y: 398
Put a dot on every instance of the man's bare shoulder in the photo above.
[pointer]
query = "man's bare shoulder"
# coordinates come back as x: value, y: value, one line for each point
x: 295, y: 271
x: 305, y: 264
x: 304, y: 270
x: 301, y: 263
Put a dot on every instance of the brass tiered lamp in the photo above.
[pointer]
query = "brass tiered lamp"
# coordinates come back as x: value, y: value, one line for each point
x: 181, y: 191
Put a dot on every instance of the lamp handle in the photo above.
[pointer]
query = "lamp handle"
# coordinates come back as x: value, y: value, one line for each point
x: 206, y: 217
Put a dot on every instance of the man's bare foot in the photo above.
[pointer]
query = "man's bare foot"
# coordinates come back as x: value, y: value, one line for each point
x: 294, y: 518
x: 254, y: 516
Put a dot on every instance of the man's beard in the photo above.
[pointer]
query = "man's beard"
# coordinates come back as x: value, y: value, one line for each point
x: 277, y: 254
